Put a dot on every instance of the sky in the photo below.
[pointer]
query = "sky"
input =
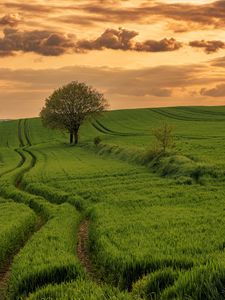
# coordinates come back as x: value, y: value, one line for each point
x: 148, y: 53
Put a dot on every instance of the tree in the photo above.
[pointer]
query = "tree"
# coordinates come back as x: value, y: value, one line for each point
x: 69, y: 106
x: 165, y: 137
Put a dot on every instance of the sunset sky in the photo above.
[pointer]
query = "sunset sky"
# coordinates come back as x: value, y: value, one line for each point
x: 138, y: 53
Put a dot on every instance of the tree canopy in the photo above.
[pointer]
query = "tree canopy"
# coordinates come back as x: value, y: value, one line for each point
x: 69, y: 106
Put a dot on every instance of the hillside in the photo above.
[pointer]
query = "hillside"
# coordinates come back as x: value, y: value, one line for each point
x: 103, y: 222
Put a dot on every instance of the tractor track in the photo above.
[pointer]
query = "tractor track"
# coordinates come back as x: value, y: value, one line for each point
x: 103, y: 129
x: 5, y: 271
x: 82, y: 250
x: 171, y: 115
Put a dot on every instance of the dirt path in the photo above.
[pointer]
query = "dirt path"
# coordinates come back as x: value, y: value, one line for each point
x: 4, y: 278
x: 82, y: 250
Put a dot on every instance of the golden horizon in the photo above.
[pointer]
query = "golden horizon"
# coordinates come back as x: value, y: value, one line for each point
x: 139, y: 54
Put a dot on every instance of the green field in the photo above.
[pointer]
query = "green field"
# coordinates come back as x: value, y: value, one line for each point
x: 105, y: 221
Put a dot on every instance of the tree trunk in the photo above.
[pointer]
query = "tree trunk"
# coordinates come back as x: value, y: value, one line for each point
x: 76, y: 137
x: 71, y: 138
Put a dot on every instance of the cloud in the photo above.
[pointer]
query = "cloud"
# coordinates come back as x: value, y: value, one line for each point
x: 10, y: 20
x: 110, y: 39
x: 158, y: 46
x: 141, y: 82
x: 42, y: 42
x: 206, y: 15
x: 208, y: 46
x: 164, y: 85
x: 49, y: 43
x: 218, y: 62
x: 218, y: 91
x: 32, y: 7
x: 123, y: 39
x: 184, y: 15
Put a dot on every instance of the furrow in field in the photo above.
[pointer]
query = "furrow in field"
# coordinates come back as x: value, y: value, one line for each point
x: 5, y: 271
x: 4, y: 278
x: 30, y: 270
x: 26, y: 133
x: 103, y: 129
x: 21, y: 162
x: 83, y: 252
x: 175, y: 116
x: 20, y: 135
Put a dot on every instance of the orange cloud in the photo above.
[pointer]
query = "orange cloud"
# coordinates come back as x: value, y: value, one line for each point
x: 208, y: 46
x: 54, y: 44
x: 158, y: 46
x: 167, y: 85
x: 42, y: 42
x: 111, y: 39
x: 120, y: 12
x: 218, y: 91
x: 211, y: 14
x: 10, y: 20
x: 122, y: 39
x: 218, y: 62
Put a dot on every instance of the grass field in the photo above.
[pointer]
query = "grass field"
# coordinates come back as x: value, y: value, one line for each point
x: 156, y: 229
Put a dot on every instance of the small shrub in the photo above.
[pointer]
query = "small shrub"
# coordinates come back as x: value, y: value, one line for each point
x: 165, y: 138
x: 97, y: 140
x: 164, y: 142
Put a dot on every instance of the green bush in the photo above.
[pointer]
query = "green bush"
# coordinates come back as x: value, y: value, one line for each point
x: 97, y: 140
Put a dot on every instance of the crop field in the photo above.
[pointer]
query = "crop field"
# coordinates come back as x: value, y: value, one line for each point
x: 105, y: 221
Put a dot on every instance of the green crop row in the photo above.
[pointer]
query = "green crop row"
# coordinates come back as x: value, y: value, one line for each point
x: 152, y: 285
x: 9, y: 160
x: 54, y: 195
x: 140, y: 222
x: 17, y: 222
x: 9, y: 134
x: 49, y: 256
x: 133, y: 233
x: 160, y: 235
x: 203, y: 283
x: 80, y: 289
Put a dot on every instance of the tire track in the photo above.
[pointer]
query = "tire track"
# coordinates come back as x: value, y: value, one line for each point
x: 103, y: 129
x: 171, y: 115
x: 22, y: 157
x: 20, y: 136
x: 5, y: 271
x: 83, y: 251
x: 26, y: 133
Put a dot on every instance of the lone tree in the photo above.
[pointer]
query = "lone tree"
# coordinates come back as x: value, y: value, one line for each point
x: 69, y: 106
